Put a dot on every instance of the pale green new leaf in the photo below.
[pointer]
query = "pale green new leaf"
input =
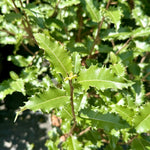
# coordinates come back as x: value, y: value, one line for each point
x: 114, y: 14
x: 105, y: 121
x: 101, y: 78
x: 55, y: 53
x: 73, y: 144
x: 53, y: 98
x: 142, y: 120
x: 125, y: 112
x: 92, y: 10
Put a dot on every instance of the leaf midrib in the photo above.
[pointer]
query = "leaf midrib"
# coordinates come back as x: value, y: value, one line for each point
x: 56, y: 57
x: 103, y: 121
x: 47, y: 101
x: 92, y: 11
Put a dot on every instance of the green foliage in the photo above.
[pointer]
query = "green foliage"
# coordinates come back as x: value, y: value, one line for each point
x: 85, y: 61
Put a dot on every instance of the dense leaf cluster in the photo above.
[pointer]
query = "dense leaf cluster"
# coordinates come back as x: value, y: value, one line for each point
x: 88, y: 63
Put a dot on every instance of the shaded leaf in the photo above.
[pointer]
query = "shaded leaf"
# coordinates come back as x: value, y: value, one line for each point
x: 55, y: 53
x: 139, y: 143
x: 101, y: 78
x: 92, y: 10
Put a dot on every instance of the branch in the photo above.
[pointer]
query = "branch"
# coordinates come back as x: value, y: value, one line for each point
x: 84, y: 131
x: 71, y: 98
x: 125, y: 44
x: 56, y: 8
x: 80, y: 22
x: 27, y: 49
x: 98, y: 32
x: 72, y: 107
x: 27, y: 28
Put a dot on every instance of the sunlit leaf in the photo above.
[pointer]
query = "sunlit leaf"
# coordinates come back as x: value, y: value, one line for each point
x: 101, y: 78
x: 55, y: 53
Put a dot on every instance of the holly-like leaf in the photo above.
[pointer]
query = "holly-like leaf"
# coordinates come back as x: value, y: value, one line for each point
x: 92, y: 10
x: 118, y: 69
x: 53, y: 98
x: 140, y: 32
x: 105, y: 121
x: 73, y: 144
x: 142, y: 119
x: 114, y: 15
x: 10, y: 86
x: 101, y: 78
x: 55, y: 53
x: 123, y: 111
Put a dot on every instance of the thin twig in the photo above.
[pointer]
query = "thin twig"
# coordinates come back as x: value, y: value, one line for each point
x: 80, y: 22
x: 125, y: 44
x: 28, y: 28
x: 55, y: 11
x: 84, y: 131
x: 16, y: 9
x: 98, y: 32
x: 72, y: 107
x: 144, y: 57
x: 71, y: 98
x: 27, y: 49
x: 143, y: 79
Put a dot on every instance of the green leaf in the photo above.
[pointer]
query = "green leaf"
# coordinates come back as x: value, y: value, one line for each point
x: 141, y: 19
x: 55, y: 53
x: 53, y: 98
x: 142, y: 46
x: 19, y: 60
x: 92, y: 10
x: 140, y: 32
x: 125, y: 112
x: 73, y: 144
x: 118, y: 69
x: 105, y: 121
x: 64, y: 4
x: 101, y: 78
x: 10, y: 86
x: 142, y: 119
x: 114, y: 14
x: 76, y: 62
x: 140, y: 143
